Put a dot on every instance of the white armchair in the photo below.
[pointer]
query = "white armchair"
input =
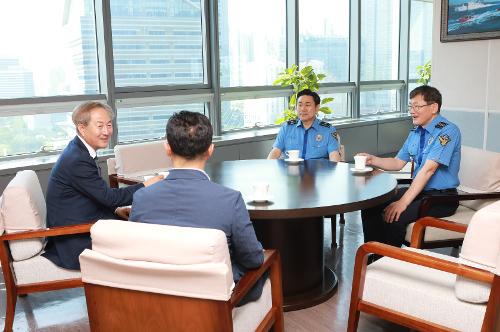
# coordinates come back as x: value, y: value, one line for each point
x: 432, y: 292
x: 22, y: 225
x: 136, y: 160
x: 154, y: 277
x: 479, y: 186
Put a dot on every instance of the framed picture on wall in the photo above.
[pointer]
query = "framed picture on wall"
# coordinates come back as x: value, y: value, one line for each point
x: 469, y: 20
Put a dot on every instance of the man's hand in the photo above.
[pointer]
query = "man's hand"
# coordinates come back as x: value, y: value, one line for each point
x: 123, y: 212
x: 153, y: 180
x: 394, y: 210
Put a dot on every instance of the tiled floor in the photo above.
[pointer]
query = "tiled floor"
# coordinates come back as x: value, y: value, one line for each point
x: 66, y: 310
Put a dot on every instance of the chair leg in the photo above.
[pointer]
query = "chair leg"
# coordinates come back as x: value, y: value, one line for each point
x: 333, y: 222
x: 10, y: 311
x: 342, y: 219
x: 352, y: 324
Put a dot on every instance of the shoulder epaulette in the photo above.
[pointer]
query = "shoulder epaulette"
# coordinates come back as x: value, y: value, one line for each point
x: 292, y: 121
x: 441, y: 125
x: 325, y: 124
x: 414, y: 128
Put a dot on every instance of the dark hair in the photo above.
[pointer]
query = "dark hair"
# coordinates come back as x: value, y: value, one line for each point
x: 189, y: 134
x: 429, y: 94
x: 307, y: 92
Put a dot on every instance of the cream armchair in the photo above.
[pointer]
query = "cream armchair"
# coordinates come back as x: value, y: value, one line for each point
x: 479, y: 186
x: 22, y: 225
x: 154, y: 278
x: 432, y: 292
x: 136, y: 160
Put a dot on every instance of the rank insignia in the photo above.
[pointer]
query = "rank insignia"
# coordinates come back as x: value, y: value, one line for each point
x: 441, y: 125
x: 319, y: 137
x: 414, y: 128
x: 444, y: 139
x: 325, y: 124
x: 335, y: 135
x: 292, y: 122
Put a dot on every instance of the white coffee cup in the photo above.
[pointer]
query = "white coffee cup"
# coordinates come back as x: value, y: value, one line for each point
x: 359, y: 162
x: 292, y: 154
x: 260, y: 190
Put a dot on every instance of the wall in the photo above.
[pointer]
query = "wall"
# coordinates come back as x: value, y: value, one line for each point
x: 375, y: 137
x: 468, y: 75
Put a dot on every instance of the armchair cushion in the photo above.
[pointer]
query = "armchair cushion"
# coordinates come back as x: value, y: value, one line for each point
x: 23, y: 208
x: 181, y: 261
x: 141, y: 158
x: 481, y: 249
x: 40, y: 269
x: 417, y: 284
x: 248, y: 317
x: 477, y: 161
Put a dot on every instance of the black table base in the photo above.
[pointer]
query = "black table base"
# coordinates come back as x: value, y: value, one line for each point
x: 306, y: 280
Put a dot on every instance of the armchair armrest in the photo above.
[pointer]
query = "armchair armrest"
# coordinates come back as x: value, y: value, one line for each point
x: 272, y: 262
x: 417, y: 235
x: 54, y: 231
x: 428, y: 201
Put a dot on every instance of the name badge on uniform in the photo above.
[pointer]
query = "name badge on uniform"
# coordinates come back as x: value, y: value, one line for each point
x: 430, y: 140
x: 319, y: 137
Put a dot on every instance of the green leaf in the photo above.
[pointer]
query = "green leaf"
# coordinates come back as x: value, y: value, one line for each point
x: 279, y: 120
x: 321, y: 77
x: 326, y: 110
x: 293, y: 100
x: 306, y: 70
x: 327, y: 100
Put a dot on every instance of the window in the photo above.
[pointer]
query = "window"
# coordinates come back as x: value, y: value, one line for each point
x: 379, y: 40
x: 25, y: 134
x: 377, y: 102
x: 251, y: 113
x: 324, y: 38
x: 420, y: 35
x: 48, y: 48
x: 148, y: 122
x: 252, y: 41
x: 157, y: 26
x: 340, y: 106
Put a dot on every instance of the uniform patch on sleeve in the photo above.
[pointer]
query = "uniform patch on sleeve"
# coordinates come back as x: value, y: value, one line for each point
x: 444, y: 139
x: 292, y: 121
x: 325, y: 124
x: 441, y: 125
x: 335, y: 135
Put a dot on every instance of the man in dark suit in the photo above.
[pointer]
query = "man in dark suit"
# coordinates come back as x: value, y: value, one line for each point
x: 188, y: 198
x: 76, y: 192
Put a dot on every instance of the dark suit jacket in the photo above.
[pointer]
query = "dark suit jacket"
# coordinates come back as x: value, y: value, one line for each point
x: 187, y: 198
x: 76, y: 194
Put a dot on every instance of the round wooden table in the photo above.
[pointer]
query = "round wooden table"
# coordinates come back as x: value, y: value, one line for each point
x: 292, y: 221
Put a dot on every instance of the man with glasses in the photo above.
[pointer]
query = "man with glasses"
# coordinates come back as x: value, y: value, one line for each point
x: 434, y: 146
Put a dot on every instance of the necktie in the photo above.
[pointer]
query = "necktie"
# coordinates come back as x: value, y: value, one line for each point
x: 421, y: 147
x: 304, y: 146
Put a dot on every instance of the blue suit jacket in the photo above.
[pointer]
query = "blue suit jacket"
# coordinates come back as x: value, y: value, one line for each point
x: 188, y: 198
x: 76, y: 194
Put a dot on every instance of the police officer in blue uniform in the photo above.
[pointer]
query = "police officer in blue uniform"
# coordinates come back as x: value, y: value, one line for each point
x: 314, y: 139
x: 434, y: 146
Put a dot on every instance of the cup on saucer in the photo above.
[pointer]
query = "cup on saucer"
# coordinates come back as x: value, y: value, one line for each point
x: 359, y: 162
x: 293, y: 154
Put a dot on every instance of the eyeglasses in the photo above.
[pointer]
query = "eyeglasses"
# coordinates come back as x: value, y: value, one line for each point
x: 417, y: 107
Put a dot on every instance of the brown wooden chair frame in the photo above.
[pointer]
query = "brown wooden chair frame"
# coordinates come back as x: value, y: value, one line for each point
x: 12, y: 289
x: 116, y: 309
x: 491, y: 322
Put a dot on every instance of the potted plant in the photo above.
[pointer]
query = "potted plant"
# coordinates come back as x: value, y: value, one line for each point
x: 424, y: 73
x: 300, y: 79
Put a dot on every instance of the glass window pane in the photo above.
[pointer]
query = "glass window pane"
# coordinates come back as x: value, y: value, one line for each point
x: 35, y: 133
x: 148, y: 122
x: 324, y: 38
x: 379, y: 39
x: 340, y: 106
x: 48, y: 48
x: 378, y: 102
x: 252, y: 41
x: 420, y: 35
x: 157, y: 42
x: 237, y: 114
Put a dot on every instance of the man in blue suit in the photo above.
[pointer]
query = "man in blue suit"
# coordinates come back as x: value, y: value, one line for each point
x: 76, y: 192
x: 188, y: 198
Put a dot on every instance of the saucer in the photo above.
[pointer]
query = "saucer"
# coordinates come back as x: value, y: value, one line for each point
x: 364, y: 170
x: 298, y: 160
x: 261, y: 199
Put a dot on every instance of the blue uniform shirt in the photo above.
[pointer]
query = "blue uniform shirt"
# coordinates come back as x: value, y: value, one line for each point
x: 441, y: 142
x: 317, y: 142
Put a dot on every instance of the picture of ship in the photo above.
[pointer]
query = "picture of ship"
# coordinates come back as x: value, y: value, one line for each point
x: 473, y: 16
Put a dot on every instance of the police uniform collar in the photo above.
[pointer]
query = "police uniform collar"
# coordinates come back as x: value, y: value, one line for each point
x: 314, y: 125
